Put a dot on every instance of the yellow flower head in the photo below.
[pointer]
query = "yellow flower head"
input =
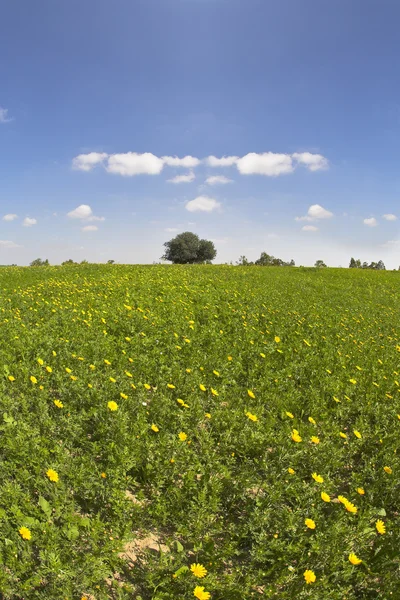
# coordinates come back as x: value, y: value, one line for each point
x: 123, y: 396
x: 112, y: 405
x: 325, y: 497
x: 155, y: 428
x: 58, y: 403
x: 11, y: 378
x: 309, y: 576
x: 52, y: 475
x: 290, y: 415
x: 317, y: 478
x: 214, y: 392
x: 251, y: 394
x: 200, y: 594
x: 353, y: 558
x: 198, y: 570
x: 291, y: 471
x: 349, y: 506
x: 68, y: 370
x: 103, y: 475
x: 202, y: 387
x: 310, y: 523
x: 208, y: 415
x: 170, y: 386
x: 40, y: 361
x: 277, y: 339
x: 33, y: 379
x: 315, y: 439
x: 25, y: 533
x: 295, y: 436
x: 182, y: 436
x: 251, y: 416
x: 343, y: 435
x: 388, y: 470
x: 113, y: 380
x: 380, y: 526
x: 357, y: 434
x: 312, y: 421
x: 49, y: 369
x: 360, y: 491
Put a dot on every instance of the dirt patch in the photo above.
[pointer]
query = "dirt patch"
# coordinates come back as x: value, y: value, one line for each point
x: 133, y: 549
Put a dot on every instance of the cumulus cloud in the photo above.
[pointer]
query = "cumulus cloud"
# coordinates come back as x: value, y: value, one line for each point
x: 268, y: 163
x: 309, y: 228
x: 225, y: 161
x: 218, y: 180
x: 132, y: 163
x: 8, y: 244
x: 371, y: 222
x: 183, y: 178
x: 390, y: 217
x: 4, y: 115
x: 86, y: 162
x: 313, y: 162
x: 28, y: 222
x: 89, y: 228
x: 189, y: 162
x: 315, y: 212
x: 10, y: 217
x: 81, y: 212
x: 202, y: 204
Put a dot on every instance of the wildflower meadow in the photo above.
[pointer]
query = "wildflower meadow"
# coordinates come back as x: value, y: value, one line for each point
x: 208, y: 432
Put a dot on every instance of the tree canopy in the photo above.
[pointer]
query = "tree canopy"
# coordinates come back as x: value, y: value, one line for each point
x: 188, y: 248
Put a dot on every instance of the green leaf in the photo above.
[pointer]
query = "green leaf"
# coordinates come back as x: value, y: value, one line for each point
x: 45, y: 506
x: 72, y: 533
x: 183, y: 569
x: 179, y: 547
x: 381, y: 512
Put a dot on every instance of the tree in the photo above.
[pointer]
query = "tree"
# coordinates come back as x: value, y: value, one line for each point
x: 267, y: 260
x: 69, y: 262
x: 319, y: 263
x: 110, y: 262
x: 38, y: 262
x: 187, y: 248
x: 352, y: 264
x: 381, y: 266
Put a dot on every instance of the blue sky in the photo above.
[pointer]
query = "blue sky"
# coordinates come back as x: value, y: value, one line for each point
x: 100, y: 99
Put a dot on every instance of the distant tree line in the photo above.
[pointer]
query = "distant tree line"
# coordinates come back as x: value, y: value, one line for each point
x: 265, y: 260
x: 356, y: 264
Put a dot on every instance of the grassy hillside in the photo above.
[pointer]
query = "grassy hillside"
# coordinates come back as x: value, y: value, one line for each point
x: 246, y: 420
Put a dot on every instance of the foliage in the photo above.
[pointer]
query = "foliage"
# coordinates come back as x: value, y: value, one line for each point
x: 356, y: 264
x: 38, y: 262
x: 319, y: 264
x: 266, y: 260
x: 200, y: 408
x: 188, y: 248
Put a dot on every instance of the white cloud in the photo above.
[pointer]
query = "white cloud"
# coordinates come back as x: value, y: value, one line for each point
x: 28, y: 222
x: 132, y: 163
x: 88, y: 228
x: 81, y: 212
x: 268, y: 164
x: 372, y: 222
x: 218, y: 180
x: 225, y: 161
x: 86, y: 162
x: 10, y: 217
x: 309, y: 228
x: 183, y: 178
x: 202, y: 204
x: 314, y: 213
x: 313, y: 162
x: 189, y: 162
x: 8, y: 244
x: 94, y: 218
x: 171, y: 229
x: 4, y: 115
x: 390, y: 217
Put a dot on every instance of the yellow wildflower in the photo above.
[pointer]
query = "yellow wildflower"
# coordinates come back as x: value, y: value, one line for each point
x: 33, y: 379
x: 311, y: 420
x: 290, y: 415
x: 277, y: 339
x: 58, y: 403
x: 317, y: 478
x: 11, y: 378
x: 52, y: 475
x: 296, y: 436
x: 155, y: 428
x: 357, y: 434
x: 309, y: 576
x: 315, y: 439
x: 310, y: 523
x: 113, y: 406
x: 291, y: 471
x: 202, y: 387
x: 251, y: 416
x: 380, y: 526
x: 353, y: 558
x: 388, y: 470
x: 343, y: 435
x: 25, y: 533
x: 123, y: 396
x: 170, y: 386
x: 200, y: 594
x: 198, y: 570
x: 360, y: 491
x: 182, y: 436
x: 325, y: 497
x: 251, y: 394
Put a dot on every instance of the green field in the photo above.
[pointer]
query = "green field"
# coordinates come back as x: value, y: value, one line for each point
x: 157, y: 417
